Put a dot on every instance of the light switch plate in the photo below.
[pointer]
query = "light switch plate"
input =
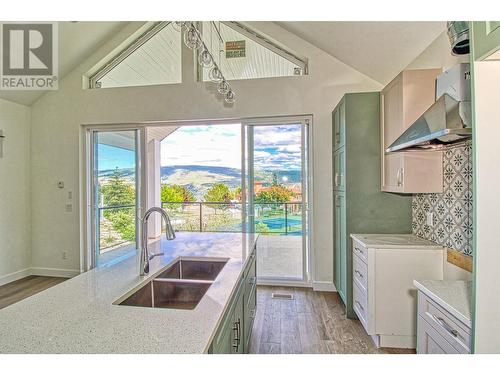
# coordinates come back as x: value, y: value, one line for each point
x: 430, y: 219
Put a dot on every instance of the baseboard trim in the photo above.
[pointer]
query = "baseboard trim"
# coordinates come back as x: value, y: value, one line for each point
x: 324, y: 286
x: 285, y: 283
x: 14, y: 276
x: 54, y: 272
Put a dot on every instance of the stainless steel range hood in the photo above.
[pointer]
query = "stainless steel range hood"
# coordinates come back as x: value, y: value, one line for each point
x: 447, y: 120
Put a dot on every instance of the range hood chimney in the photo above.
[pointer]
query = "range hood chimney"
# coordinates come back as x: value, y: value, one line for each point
x: 458, y: 32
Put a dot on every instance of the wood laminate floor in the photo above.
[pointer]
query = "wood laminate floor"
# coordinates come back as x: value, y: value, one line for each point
x: 26, y: 287
x: 313, y: 323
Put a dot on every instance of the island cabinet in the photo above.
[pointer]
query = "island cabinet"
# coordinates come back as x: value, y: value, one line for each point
x: 402, y: 102
x: 233, y: 335
x: 486, y: 40
x: 359, y: 205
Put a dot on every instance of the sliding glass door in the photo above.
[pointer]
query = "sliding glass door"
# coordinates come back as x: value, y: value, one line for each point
x: 115, y: 194
x: 276, y: 185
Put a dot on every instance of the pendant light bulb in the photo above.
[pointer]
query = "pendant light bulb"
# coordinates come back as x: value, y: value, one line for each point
x: 223, y: 87
x: 230, y: 97
x: 205, y: 58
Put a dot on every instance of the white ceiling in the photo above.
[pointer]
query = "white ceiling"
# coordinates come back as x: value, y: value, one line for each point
x: 379, y: 50
x: 77, y: 41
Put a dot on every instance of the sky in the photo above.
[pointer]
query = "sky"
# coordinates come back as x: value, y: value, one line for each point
x: 207, y: 145
x: 110, y: 157
x: 276, y: 147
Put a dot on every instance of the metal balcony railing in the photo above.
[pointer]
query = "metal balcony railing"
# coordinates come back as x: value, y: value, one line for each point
x: 268, y: 217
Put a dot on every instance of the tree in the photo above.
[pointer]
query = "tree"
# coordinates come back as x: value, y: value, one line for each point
x: 275, y: 180
x: 175, y: 193
x: 117, y: 192
x: 275, y: 194
x: 219, y: 192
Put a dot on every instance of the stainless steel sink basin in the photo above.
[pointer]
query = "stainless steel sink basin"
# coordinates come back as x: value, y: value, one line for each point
x: 193, y: 270
x: 173, y: 294
x: 180, y: 286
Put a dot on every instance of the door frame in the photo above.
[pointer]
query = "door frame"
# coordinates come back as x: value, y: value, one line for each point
x: 307, y: 187
x: 88, y: 258
x: 86, y: 162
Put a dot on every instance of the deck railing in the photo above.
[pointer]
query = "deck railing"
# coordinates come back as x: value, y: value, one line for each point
x: 268, y: 217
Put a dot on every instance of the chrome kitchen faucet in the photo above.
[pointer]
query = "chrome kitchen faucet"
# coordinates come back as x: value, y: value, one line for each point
x: 169, y: 234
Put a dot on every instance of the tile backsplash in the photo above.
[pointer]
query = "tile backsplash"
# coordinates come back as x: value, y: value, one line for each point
x: 452, y: 222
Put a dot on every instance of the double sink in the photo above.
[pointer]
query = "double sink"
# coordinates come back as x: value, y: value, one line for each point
x: 180, y: 286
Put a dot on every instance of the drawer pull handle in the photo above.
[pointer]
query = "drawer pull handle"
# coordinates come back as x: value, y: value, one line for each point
x: 358, y: 273
x: 359, y: 305
x: 446, y: 326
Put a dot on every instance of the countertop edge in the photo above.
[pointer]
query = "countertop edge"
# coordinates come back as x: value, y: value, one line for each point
x: 443, y: 303
x: 356, y: 236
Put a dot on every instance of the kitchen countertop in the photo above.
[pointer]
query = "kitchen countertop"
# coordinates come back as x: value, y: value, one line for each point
x: 453, y: 295
x: 78, y: 315
x: 393, y: 241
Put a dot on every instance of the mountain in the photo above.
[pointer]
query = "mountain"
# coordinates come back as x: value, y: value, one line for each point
x: 199, y: 178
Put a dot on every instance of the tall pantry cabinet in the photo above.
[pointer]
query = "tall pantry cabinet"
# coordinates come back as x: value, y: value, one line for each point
x: 359, y: 204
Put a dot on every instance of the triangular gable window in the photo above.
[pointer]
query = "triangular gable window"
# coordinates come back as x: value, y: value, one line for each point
x: 153, y: 59
x: 242, y: 53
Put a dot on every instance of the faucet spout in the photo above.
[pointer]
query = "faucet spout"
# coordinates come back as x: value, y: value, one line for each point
x: 145, y: 257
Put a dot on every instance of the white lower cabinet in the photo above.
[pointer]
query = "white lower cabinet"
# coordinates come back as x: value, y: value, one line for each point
x: 439, y: 332
x: 384, y: 297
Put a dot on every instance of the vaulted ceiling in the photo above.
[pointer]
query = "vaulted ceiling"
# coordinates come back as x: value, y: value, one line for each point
x: 379, y: 50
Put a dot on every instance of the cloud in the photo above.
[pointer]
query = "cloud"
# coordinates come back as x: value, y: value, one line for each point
x: 276, y: 147
x: 212, y: 145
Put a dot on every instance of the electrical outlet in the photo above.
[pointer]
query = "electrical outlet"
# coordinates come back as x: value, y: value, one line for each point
x: 430, y: 219
x: 64, y: 255
x: 70, y: 194
x: 69, y: 207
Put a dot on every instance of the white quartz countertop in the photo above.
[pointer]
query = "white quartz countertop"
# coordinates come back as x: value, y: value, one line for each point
x: 392, y: 241
x: 78, y: 315
x: 454, y: 295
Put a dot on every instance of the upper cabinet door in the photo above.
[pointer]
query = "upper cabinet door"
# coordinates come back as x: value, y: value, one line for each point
x: 391, y: 99
x: 486, y: 39
x: 402, y: 102
x: 338, y: 119
x: 339, y: 170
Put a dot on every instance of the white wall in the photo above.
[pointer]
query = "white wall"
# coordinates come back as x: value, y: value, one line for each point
x: 487, y: 186
x: 437, y: 55
x: 15, y: 236
x: 57, y: 117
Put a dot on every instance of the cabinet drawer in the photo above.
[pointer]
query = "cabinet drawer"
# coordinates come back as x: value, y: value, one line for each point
x: 449, y: 327
x: 429, y: 341
x: 360, y: 305
x: 360, y: 251
x: 360, y: 273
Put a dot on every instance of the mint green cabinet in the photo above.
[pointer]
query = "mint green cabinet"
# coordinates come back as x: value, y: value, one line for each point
x: 340, y: 244
x: 486, y: 38
x: 234, y: 333
x: 338, y: 118
x: 339, y: 169
x: 359, y: 204
x: 250, y: 301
